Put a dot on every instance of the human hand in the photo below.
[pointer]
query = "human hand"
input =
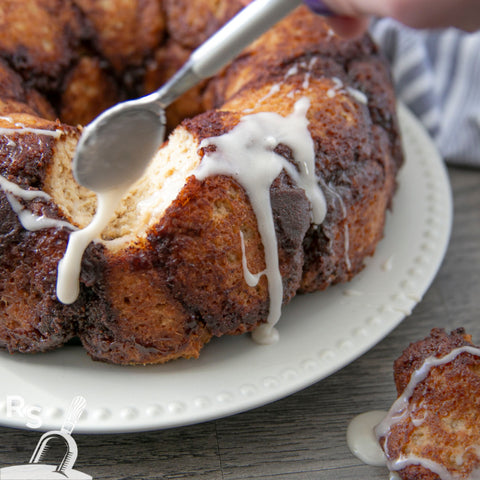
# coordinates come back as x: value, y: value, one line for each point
x: 351, y: 16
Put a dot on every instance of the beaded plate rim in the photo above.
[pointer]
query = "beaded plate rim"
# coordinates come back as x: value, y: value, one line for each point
x: 326, y: 331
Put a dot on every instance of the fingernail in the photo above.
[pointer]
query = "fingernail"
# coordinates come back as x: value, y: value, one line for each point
x: 319, y: 7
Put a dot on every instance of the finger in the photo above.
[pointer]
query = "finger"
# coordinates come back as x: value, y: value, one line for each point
x: 318, y: 6
x: 348, y: 27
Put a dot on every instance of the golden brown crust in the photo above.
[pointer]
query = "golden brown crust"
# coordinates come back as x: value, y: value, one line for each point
x: 446, y: 401
x: 358, y: 148
x: 15, y: 98
x: 168, y: 293
x: 54, y: 44
x: 23, y: 24
x: 191, y: 23
x: 88, y: 90
x: 124, y: 31
x: 438, y: 344
x: 32, y: 319
x: 135, y: 319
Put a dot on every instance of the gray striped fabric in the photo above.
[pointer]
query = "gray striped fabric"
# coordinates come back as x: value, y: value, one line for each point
x: 437, y: 74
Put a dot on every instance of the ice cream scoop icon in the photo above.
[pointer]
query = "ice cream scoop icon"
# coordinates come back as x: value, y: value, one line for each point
x: 64, y: 469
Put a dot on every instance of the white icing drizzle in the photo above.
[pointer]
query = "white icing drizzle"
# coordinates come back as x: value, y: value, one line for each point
x: 338, y: 85
x: 352, y: 293
x: 293, y: 70
x: 357, y: 95
x: 22, y: 129
x: 29, y: 220
x: 69, y: 267
x: 251, y: 279
x: 10, y: 187
x: 399, y: 409
x: 275, y: 88
x: 308, y: 74
x: 68, y: 275
x: 10, y: 131
x: 246, y: 153
x: 361, y: 441
x: 387, y: 266
x: 33, y: 222
x: 265, y: 334
x: 440, y: 470
x: 361, y: 438
x: 340, y: 88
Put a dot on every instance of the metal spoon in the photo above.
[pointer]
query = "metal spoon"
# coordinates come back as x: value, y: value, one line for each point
x: 117, y: 146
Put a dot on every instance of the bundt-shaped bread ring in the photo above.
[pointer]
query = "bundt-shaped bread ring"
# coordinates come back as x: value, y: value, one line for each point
x: 169, y: 271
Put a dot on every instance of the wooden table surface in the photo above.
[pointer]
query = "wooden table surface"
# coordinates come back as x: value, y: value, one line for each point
x: 302, y: 436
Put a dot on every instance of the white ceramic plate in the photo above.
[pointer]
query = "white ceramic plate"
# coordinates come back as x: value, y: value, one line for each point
x: 320, y: 333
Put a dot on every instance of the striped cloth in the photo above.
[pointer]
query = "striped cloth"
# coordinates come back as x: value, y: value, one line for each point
x: 437, y: 74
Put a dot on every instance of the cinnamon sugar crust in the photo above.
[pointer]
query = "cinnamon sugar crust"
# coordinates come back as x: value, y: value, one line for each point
x: 167, y: 273
x: 442, y: 424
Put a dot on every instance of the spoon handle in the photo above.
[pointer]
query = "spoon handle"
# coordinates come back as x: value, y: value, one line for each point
x: 251, y: 22
x: 226, y: 44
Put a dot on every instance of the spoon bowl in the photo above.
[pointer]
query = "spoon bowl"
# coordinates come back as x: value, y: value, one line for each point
x: 115, y: 147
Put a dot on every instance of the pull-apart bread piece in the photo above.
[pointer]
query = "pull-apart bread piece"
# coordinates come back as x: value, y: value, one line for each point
x: 181, y: 259
x: 432, y: 431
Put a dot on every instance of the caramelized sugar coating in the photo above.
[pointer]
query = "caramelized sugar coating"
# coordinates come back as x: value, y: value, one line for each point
x: 31, y: 318
x: 168, y: 275
x: 16, y: 98
x: 124, y: 31
x: 191, y: 23
x: 442, y: 425
x: 358, y: 146
x: 88, y: 89
x: 39, y: 38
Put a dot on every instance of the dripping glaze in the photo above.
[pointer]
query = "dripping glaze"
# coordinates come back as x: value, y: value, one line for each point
x: 237, y: 153
x: 27, y: 218
x: 68, y: 274
x: 365, y: 431
x: 247, y: 153
x: 20, y: 128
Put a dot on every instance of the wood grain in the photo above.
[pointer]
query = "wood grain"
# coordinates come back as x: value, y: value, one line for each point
x: 301, y: 437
